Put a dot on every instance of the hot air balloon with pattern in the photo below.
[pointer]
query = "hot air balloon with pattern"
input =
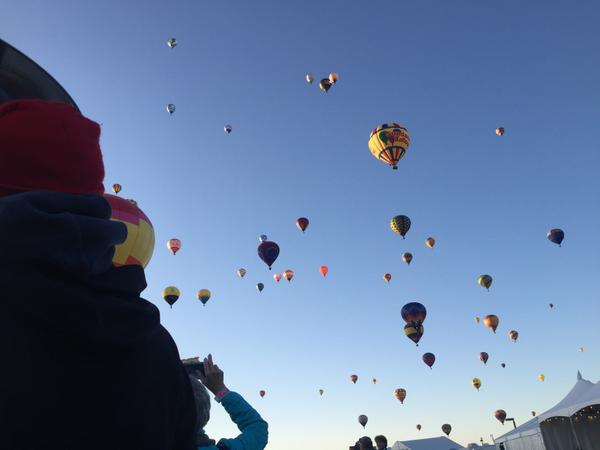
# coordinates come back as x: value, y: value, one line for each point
x: 388, y: 143
x: 407, y: 257
x: 414, y: 332
x: 400, y: 225
x: 430, y: 242
x: 302, y: 223
x: 171, y: 295
x: 277, y: 277
x: 288, y: 275
x: 334, y: 77
x: 485, y: 281
x: 491, y: 321
x: 260, y: 287
x: 227, y: 129
x: 174, y: 245
x: 400, y: 394
x: 171, y: 108
x: 172, y: 42
x: 241, y: 272
x: 354, y: 378
x: 309, y: 78
x: 204, y: 296
x: 476, y: 382
x: 429, y: 359
x: 500, y: 131
x: 414, y: 312
x: 513, y: 335
x: 261, y: 393
x: 387, y: 277
x: 542, y: 377
x: 325, y: 85
x: 419, y: 427
x: 116, y: 188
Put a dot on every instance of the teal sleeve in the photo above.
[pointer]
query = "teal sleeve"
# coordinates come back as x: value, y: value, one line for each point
x: 254, y: 429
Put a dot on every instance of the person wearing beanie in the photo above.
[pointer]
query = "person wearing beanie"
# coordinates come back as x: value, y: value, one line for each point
x: 86, y: 363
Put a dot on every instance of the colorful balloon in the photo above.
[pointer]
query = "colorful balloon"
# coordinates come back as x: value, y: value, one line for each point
x: 500, y: 131
x: 204, y: 296
x: 260, y: 287
x: 362, y: 419
x: 485, y: 281
x: 446, y: 428
x: 325, y: 85
x: 387, y: 277
x: 174, y: 245
x: 334, y: 77
x: 400, y: 394
x: 388, y: 143
x: 171, y: 295
x: 288, y: 275
x: 500, y: 414
x: 414, y: 313
x: 277, y: 277
x: 476, y: 382
x: 483, y: 357
x: 542, y: 377
x: 309, y: 78
x: 407, y: 257
x: 261, y: 393
x: 354, y: 378
x: 172, y: 43
x: 241, y: 272
x: 268, y: 251
x: 138, y: 248
x: 302, y: 223
x: 513, y: 335
x: 429, y: 359
x: 116, y: 188
x: 414, y: 332
x: 491, y: 321
x: 400, y: 225
x: 556, y: 236
x: 430, y: 242
x: 324, y: 270
x: 170, y: 108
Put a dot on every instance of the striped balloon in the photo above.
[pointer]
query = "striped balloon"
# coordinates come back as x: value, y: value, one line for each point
x: 388, y: 143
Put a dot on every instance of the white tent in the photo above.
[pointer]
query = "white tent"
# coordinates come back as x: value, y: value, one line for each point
x: 573, y: 423
x: 437, y: 443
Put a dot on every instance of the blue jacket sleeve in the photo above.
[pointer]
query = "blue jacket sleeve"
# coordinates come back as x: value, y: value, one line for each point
x: 254, y: 429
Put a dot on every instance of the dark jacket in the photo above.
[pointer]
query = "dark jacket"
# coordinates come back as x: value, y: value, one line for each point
x: 85, y: 361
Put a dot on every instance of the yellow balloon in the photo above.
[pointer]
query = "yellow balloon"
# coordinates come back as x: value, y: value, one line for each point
x: 541, y: 377
x: 389, y: 142
x: 476, y: 383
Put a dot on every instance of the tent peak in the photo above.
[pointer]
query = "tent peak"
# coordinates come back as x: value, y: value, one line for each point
x: 579, y: 377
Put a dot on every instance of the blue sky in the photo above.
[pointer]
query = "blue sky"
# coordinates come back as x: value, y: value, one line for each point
x: 451, y: 72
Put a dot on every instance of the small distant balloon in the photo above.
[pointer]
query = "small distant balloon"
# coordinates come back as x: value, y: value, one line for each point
x: 204, y: 295
x: 551, y: 305
x: 260, y: 287
x: 321, y: 391
x: 174, y: 245
x: 354, y: 378
x: 491, y: 321
x: 500, y: 131
x: 170, y: 108
x: 430, y: 242
x: 483, y: 357
x: 500, y: 414
x: 429, y: 359
x: 580, y: 349
x: 324, y: 270
x: 407, y: 257
x: 542, y: 377
x: 288, y: 275
x: 362, y: 419
x: 503, y: 365
x: 171, y: 295
x: 556, y: 236
x: 477, y: 319
x: 400, y: 225
x: 262, y: 238
x: 374, y: 381
x: 400, y: 394
x: 387, y: 277
x: 485, y: 281
x: 277, y: 277
x: 533, y: 413
x: 116, y: 188
x: 261, y: 393
x: 446, y: 428
x: 325, y: 85
x: 172, y: 43
x: 476, y: 382
x: 513, y: 335
x: 227, y: 128
x: 241, y: 272
x: 309, y: 78
x: 334, y: 77
x: 302, y: 223
x: 419, y: 427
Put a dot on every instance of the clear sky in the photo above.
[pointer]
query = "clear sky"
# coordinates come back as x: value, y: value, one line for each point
x: 451, y: 72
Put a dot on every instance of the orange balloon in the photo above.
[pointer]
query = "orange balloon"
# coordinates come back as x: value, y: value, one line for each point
x: 324, y: 270
x: 491, y: 322
x: 288, y: 274
x: 430, y: 242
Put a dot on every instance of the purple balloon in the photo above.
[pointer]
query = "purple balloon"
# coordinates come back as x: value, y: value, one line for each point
x: 268, y: 251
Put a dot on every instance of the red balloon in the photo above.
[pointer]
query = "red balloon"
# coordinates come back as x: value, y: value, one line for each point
x: 429, y: 359
x: 324, y: 270
x: 483, y: 356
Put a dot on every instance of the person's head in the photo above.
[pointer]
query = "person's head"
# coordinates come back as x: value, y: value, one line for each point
x: 202, y: 400
x: 48, y: 146
x: 365, y: 443
x: 381, y: 442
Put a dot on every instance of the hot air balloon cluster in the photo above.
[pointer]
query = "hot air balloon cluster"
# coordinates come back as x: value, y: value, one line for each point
x: 414, y: 315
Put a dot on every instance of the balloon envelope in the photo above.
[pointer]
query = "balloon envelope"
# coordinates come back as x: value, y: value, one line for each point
x: 400, y: 225
x: 171, y: 295
x: 260, y: 287
x: 116, y: 188
x: 325, y: 85
x: 500, y: 414
x: 400, y: 394
x: 388, y: 143
x: 302, y: 223
x: 476, y: 382
x: 483, y: 357
x: 556, y: 236
x: 227, y: 128
x: 430, y: 242
x: 309, y: 78
x: 491, y: 322
x: 419, y: 427
x: 334, y: 77
x: 485, y: 281
x: 354, y: 378
x: 171, y: 108
x: 500, y: 131
x: 324, y: 270
x: 513, y: 335
x: 288, y: 275
x: 387, y: 277
x: 172, y: 42
x: 541, y: 377
x: 446, y: 428
x: 241, y: 272
x: 429, y: 359
x: 204, y: 295
x: 174, y: 245
x: 277, y: 277
x: 261, y: 393
x: 407, y: 257
x: 414, y: 312
x: 268, y: 251
x: 262, y: 238
x: 362, y: 419
x: 414, y: 332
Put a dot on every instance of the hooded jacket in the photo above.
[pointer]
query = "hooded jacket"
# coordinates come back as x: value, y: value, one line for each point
x: 85, y: 361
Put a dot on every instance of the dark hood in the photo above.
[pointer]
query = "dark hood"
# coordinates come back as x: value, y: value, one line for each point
x: 56, y: 270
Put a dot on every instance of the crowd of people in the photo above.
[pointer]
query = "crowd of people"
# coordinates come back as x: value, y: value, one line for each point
x: 87, y: 364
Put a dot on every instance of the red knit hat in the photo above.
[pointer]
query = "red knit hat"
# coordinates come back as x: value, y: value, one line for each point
x: 48, y: 146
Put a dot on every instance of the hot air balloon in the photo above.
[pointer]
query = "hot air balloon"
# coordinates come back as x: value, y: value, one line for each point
x: 551, y: 305
x: 354, y: 378
x: 174, y: 245
x: 362, y: 419
x: 485, y: 281
x: 556, y: 236
x: 268, y: 251
x: 483, y: 357
x: 388, y: 143
x: 302, y: 223
x: 430, y: 242
x: 374, y: 381
x: 387, y: 277
x: 172, y: 43
x: 261, y: 393
x: 241, y: 272
x: 260, y: 287
x: 446, y: 428
x: 324, y: 270
x: 262, y: 238
x: 277, y: 277
x: 414, y: 313
x: 500, y: 414
x: 288, y: 275
x: 400, y: 394
x: 132, y: 201
x: 429, y: 359
x: 542, y: 377
x: 503, y: 365
x: 500, y: 131
x: 204, y: 296
x: 491, y: 322
x: 533, y: 413
x: 407, y: 257
x: 325, y: 85
x: 171, y: 295
x: 309, y: 78
x: 321, y: 391
x: 227, y: 128
x: 476, y: 382
x: 581, y: 349
x: 477, y: 319
x: 334, y: 77
x: 400, y: 225
x: 116, y: 188
x: 513, y: 335
x: 414, y: 332
x: 138, y: 247
x: 419, y: 427
x: 170, y: 108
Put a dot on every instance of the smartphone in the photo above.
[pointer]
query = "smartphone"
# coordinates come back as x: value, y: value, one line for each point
x: 193, y: 366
